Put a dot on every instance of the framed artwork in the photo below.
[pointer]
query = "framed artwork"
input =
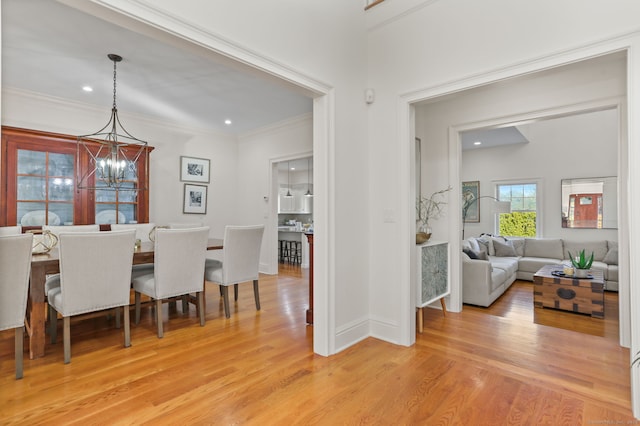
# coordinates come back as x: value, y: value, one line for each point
x: 194, y: 169
x: 470, y: 204
x: 195, y: 199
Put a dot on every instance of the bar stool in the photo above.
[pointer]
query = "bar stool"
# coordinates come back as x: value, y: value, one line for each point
x: 285, y: 250
x: 295, y: 254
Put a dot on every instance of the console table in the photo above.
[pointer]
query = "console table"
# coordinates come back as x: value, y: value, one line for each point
x: 433, y: 276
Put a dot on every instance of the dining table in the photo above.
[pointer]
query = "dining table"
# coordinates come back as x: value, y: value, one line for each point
x: 43, y: 264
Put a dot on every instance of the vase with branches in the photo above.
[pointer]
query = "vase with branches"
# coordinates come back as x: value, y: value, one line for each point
x: 427, y: 209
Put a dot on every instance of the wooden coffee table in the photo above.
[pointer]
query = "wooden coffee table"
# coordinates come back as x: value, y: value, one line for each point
x: 585, y: 296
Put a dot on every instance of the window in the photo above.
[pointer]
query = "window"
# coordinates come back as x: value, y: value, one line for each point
x: 523, y: 219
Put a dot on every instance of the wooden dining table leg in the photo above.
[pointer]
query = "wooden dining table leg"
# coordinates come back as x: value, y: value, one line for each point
x: 36, y: 313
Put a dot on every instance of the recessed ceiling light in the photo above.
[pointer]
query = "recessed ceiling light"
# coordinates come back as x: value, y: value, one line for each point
x: 293, y: 168
x: 87, y: 88
x: 227, y: 122
x: 477, y: 143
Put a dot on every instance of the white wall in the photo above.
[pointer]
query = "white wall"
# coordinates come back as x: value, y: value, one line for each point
x: 584, y: 145
x: 170, y: 141
x: 257, y: 153
x: 445, y: 47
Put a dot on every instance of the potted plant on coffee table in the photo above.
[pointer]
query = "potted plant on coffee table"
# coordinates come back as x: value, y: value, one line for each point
x: 581, y: 263
x: 428, y: 208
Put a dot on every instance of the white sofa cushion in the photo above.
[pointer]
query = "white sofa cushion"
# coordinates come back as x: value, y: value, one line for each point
x: 549, y: 248
x: 507, y: 264
x: 533, y: 264
x: 599, y: 248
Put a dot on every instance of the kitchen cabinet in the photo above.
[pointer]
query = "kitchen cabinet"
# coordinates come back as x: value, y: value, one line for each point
x: 298, y: 203
x: 39, y: 172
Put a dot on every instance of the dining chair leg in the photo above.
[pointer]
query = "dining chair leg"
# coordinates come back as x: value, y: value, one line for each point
x: 201, y: 307
x: 53, y: 325
x: 19, y: 351
x: 159, y: 318
x: 185, y: 304
x: 221, y: 291
x: 256, y: 294
x: 66, y: 338
x: 235, y: 292
x: 117, y: 316
x: 225, y: 300
x: 137, y: 302
x: 127, y: 328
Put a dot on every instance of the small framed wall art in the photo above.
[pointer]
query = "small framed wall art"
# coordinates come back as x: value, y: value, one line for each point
x: 194, y: 169
x: 195, y: 199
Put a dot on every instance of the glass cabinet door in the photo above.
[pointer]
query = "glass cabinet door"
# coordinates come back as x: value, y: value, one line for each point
x: 44, y: 188
x: 119, y: 206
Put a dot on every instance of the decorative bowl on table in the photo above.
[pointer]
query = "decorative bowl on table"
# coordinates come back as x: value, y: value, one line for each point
x: 422, y: 237
x: 43, y: 241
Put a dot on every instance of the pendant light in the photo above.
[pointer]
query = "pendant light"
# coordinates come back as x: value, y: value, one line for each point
x: 288, y: 194
x: 308, y: 193
x: 116, y: 158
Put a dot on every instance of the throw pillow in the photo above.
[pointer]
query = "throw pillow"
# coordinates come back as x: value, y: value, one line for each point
x: 486, y: 243
x: 472, y: 254
x: 611, y: 258
x: 483, y: 255
x: 504, y: 249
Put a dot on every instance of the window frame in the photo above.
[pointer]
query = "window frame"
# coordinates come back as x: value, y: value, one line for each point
x: 539, y: 200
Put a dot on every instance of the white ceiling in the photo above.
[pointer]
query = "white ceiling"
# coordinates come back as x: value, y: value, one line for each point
x: 490, y: 138
x: 53, y: 49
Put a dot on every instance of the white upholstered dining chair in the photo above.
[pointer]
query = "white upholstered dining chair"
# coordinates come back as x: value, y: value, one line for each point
x: 240, y: 262
x: 54, y: 280
x: 15, y: 265
x: 10, y: 230
x: 178, y: 270
x: 58, y: 229
x: 95, y: 275
x: 143, y: 233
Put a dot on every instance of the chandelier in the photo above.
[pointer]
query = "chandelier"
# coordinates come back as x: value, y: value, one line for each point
x: 116, y: 158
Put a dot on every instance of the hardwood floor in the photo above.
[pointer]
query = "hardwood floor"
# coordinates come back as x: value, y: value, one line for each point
x: 480, y: 367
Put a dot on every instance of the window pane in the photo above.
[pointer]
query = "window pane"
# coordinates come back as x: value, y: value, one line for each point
x: 34, y: 214
x: 530, y: 204
x: 64, y: 211
x: 103, y: 195
x: 31, y: 188
x: 31, y: 162
x: 129, y: 212
x: 61, y: 189
x: 61, y: 165
x: 530, y: 190
x: 504, y: 192
x: 517, y: 203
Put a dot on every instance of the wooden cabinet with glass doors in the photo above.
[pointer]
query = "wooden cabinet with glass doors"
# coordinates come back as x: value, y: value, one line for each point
x: 39, y: 175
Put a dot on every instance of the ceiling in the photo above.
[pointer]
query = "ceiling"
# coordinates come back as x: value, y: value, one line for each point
x: 489, y: 138
x: 58, y: 50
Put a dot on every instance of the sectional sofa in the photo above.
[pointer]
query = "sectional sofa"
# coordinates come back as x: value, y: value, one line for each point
x: 491, y: 264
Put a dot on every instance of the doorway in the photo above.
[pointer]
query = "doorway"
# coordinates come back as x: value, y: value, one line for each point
x: 293, y: 184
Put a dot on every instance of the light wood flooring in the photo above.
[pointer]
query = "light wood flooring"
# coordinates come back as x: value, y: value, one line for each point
x: 494, y: 366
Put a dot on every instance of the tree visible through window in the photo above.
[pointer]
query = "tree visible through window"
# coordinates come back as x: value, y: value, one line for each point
x: 521, y: 222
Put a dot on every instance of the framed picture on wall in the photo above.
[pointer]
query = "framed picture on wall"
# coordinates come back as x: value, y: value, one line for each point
x: 470, y: 204
x: 194, y: 169
x: 195, y: 199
